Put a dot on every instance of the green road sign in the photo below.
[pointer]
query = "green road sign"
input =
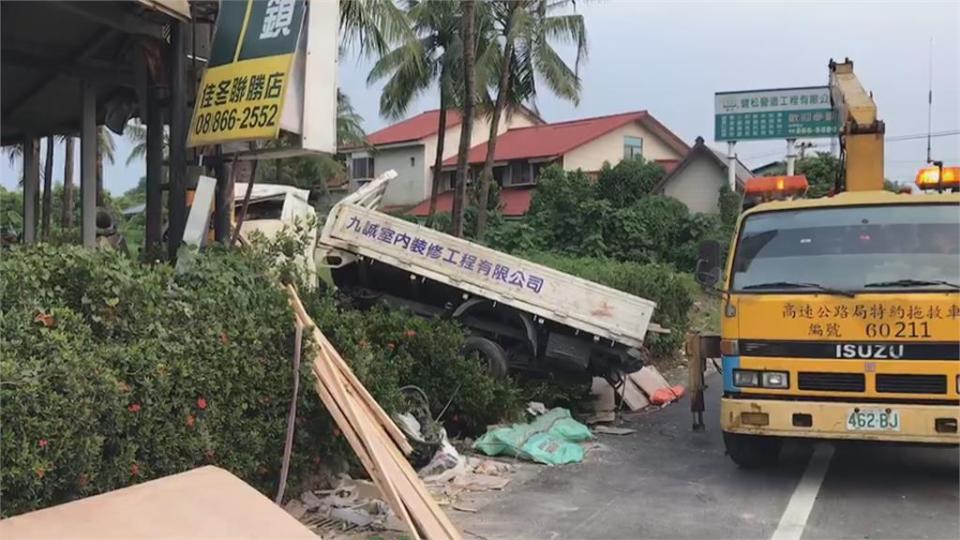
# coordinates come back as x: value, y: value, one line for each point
x: 786, y: 113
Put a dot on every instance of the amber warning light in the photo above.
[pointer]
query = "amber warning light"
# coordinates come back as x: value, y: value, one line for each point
x: 929, y: 178
x: 775, y: 187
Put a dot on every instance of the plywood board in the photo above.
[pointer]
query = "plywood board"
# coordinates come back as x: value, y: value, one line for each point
x: 207, y: 502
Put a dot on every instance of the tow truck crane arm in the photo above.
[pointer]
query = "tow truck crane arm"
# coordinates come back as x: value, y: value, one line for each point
x: 861, y: 133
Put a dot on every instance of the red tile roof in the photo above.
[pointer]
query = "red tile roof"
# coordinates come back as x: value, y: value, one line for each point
x: 668, y: 164
x: 515, y: 202
x: 412, y: 129
x: 549, y: 140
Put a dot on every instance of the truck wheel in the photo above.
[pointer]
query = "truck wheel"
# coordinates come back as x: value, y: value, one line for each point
x: 489, y: 352
x: 752, y: 451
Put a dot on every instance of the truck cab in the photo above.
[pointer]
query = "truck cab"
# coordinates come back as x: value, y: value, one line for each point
x: 840, y: 320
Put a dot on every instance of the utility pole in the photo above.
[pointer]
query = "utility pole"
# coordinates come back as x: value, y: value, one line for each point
x: 791, y: 155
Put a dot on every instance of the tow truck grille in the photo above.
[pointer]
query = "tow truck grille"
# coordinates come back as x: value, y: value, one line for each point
x: 831, y: 382
x: 911, y: 384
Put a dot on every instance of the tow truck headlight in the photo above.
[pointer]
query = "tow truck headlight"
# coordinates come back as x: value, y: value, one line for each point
x: 775, y: 379
x: 746, y: 377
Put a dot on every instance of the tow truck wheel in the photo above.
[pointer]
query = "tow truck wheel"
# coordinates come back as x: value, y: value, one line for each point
x: 489, y: 352
x: 752, y: 451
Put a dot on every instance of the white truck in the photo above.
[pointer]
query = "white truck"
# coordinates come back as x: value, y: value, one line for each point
x: 520, y: 315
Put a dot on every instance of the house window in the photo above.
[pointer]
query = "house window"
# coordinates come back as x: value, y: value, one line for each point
x: 520, y: 173
x: 632, y: 147
x: 450, y: 178
x: 361, y: 167
x: 413, y: 161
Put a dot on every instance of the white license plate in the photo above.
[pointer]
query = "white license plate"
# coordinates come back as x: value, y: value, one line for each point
x: 873, y: 420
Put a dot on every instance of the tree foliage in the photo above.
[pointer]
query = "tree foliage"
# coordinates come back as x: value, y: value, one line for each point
x: 629, y: 181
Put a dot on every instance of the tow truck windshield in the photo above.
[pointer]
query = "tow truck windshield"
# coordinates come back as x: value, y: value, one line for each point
x: 850, y: 249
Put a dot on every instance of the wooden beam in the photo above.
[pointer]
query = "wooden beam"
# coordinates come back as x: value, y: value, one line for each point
x: 85, y: 69
x: 88, y: 49
x: 108, y: 14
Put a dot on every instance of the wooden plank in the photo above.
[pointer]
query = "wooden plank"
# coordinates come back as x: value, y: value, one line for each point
x: 399, y: 476
x: 370, y: 437
x: 361, y: 442
x: 382, y: 417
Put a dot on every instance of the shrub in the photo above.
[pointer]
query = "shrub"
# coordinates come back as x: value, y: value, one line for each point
x: 628, y: 181
x: 115, y: 372
x: 673, y: 292
x: 566, y: 214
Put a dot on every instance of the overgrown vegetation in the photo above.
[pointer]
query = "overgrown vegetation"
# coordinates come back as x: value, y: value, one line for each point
x: 115, y: 372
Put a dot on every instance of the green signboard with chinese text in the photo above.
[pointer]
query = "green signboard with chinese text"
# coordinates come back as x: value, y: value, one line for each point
x: 787, y: 113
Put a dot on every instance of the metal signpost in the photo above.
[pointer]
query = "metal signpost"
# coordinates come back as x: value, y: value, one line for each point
x: 784, y: 113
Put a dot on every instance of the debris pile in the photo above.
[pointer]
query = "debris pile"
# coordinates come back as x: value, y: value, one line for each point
x: 638, y: 390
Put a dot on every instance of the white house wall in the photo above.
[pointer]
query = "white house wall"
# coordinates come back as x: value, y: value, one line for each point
x: 609, y: 147
x: 698, y: 186
x: 407, y: 187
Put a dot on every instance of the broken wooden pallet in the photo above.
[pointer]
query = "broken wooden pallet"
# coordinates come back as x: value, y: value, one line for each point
x: 376, y: 440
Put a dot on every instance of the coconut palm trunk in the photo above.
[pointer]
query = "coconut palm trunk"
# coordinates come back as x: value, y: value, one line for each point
x: 47, y: 191
x: 66, y: 205
x: 438, y: 159
x: 503, y: 86
x: 468, y: 8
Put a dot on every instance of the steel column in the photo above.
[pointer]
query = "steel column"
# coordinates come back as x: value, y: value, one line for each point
x: 154, y: 209
x: 88, y: 165
x: 177, y: 201
x: 31, y: 188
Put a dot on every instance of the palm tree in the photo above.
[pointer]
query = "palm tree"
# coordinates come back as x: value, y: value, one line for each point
x: 105, y: 150
x: 428, y: 56
x: 526, y: 28
x: 47, y: 191
x: 372, y: 26
x: 349, y: 122
x: 468, y: 37
x: 66, y: 205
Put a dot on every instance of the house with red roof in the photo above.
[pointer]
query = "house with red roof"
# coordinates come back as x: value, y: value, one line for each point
x: 409, y: 147
x: 525, y: 147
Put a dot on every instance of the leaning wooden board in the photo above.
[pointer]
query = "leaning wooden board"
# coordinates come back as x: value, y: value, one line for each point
x: 371, y: 434
x: 355, y: 227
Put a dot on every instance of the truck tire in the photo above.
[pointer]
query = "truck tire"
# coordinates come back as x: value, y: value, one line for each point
x: 490, y: 353
x: 752, y: 451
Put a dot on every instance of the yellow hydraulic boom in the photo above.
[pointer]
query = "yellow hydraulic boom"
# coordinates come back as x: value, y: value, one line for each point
x: 861, y: 133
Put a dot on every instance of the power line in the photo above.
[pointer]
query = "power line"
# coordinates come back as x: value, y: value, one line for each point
x: 895, y: 138
x: 923, y: 135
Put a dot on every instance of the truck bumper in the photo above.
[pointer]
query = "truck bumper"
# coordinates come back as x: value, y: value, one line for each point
x: 828, y: 420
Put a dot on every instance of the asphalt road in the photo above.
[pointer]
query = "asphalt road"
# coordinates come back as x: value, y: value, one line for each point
x: 666, y: 481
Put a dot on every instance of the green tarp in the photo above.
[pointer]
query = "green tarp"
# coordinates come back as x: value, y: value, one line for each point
x: 552, y: 438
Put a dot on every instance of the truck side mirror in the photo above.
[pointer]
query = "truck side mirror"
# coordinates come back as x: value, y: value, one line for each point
x: 708, y: 263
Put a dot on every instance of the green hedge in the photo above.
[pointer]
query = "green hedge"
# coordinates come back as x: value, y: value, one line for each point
x: 673, y: 292
x: 114, y: 372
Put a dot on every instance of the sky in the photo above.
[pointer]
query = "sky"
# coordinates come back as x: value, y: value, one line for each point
x: 669, y: 58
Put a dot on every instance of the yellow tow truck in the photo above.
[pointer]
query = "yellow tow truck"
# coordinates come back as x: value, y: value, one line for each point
x: 841, y: 315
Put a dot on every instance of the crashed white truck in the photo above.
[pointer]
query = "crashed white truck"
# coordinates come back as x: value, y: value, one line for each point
x: 520, y: 315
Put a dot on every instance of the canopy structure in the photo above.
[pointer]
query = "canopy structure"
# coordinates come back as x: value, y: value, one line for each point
x: 70, y: 67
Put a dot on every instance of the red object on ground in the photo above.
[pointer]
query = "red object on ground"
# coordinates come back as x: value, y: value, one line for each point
x: 667, y: 395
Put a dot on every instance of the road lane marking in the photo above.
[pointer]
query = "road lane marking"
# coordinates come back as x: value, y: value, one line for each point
x: 794, y: 518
